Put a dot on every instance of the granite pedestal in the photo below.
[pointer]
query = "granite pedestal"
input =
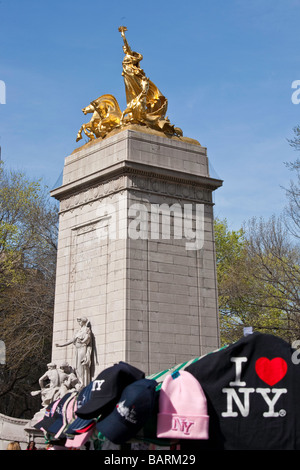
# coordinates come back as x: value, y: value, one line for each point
x: 136, y: 251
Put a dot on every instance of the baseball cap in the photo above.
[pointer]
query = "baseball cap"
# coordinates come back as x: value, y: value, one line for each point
x: 107, y: 388
x: 79, y: 440
x: 57, y: 418
x: 77, y: 423
x: 130, y: 413
x: 66, y: 415
x: 49, y: 411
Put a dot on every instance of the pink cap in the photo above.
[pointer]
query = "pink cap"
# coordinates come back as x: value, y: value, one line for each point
x: 80, y: 439
x: 182, y: 408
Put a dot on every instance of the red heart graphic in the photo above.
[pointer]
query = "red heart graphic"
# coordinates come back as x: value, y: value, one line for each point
x: 271, y: 371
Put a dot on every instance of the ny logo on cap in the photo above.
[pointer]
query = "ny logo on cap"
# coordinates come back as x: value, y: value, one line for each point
x: 97, y: 384
x: 181, y: 424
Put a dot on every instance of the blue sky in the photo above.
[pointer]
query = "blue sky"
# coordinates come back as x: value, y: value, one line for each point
x: 226, y: 67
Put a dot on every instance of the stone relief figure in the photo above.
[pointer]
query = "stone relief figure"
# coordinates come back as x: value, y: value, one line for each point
x: 49, y: 383
x: 68, y: 379
x: 83, y: 351
x: 55, y: 383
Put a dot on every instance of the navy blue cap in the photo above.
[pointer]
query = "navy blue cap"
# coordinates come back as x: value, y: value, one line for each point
x: 131, y: 412
x: 107, y: 388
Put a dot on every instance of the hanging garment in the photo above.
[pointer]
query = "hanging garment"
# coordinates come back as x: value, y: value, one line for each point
x: 131, y: 412
x: 253, y: 395
x: 107, y: 388
x: 182, y: 408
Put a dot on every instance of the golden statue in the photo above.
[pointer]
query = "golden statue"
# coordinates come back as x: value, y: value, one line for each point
x: 106, y: 116
x: 146, y: 105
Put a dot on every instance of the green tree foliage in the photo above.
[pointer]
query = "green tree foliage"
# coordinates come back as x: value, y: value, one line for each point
x: 258, y: 279
x: 230, y: 254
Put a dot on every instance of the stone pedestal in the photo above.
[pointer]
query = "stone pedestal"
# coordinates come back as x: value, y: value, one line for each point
x: 136, y: 250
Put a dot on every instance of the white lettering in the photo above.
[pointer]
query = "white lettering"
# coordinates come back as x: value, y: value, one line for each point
x: 177, y: 222
x: 233, y: 396
x: 295, y: 359
x: 244, y: 409
x: 277, y: 393
x: 2, y: 352
x: 238, y: 370
x: 116, y: 460
x: 198, y: 234
x: 2, y: 92
x: 296, y: 94
x: 165, y: 211
x: 106, y: 226
x: 138, y: 227
x: 181, y: 459
x: 97, y: 384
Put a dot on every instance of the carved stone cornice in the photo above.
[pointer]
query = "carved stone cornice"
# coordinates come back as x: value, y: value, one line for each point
x: 138, y: 177
x: 174, y: 188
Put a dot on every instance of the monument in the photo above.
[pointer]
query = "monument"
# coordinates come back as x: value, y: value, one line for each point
x: 136, y: 256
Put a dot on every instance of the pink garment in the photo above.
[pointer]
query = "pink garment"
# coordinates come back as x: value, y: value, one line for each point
x: 79, y: 439
x: 182, y: 408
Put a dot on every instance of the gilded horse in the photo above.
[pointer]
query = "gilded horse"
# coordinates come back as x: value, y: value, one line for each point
x: 106, y: 116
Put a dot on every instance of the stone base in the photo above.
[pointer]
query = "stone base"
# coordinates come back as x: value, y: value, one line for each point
x: 13, y: 429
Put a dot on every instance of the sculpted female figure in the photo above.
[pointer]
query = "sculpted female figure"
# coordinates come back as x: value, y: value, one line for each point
x: 145, y: 102
x: 83, y: 351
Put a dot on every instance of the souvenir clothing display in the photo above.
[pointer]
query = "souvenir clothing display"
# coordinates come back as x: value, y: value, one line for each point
x: 72, y: 419
x: 244, y: 396
x: 182, y: 408
x: 47, y: 419
x: 78, y: 424
x: 130, y: 413
x: 252, y: 389
x: 58, y: 425
x: 107, y: 388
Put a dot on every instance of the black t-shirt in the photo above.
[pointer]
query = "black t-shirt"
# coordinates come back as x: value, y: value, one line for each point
x: 253, y: 396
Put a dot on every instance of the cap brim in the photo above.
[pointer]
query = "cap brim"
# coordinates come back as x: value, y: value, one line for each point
x: 93, y: 410
x: 80, y: 439
x: 115, y: 431
x: 120, y: 375
x: 48, y: 423
x: 77, y: 425
x: 41, y: 424
x: 47, y: 420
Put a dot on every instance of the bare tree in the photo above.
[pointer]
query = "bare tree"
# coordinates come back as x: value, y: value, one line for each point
x: 274, y: 264
x: 28, y: 236
x: 292, y: 216
x: 258, y: 280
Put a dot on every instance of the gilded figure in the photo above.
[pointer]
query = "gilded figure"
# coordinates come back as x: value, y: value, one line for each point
x: 146, y: 105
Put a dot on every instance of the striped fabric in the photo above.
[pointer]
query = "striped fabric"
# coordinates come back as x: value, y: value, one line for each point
x: 160, y: 376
